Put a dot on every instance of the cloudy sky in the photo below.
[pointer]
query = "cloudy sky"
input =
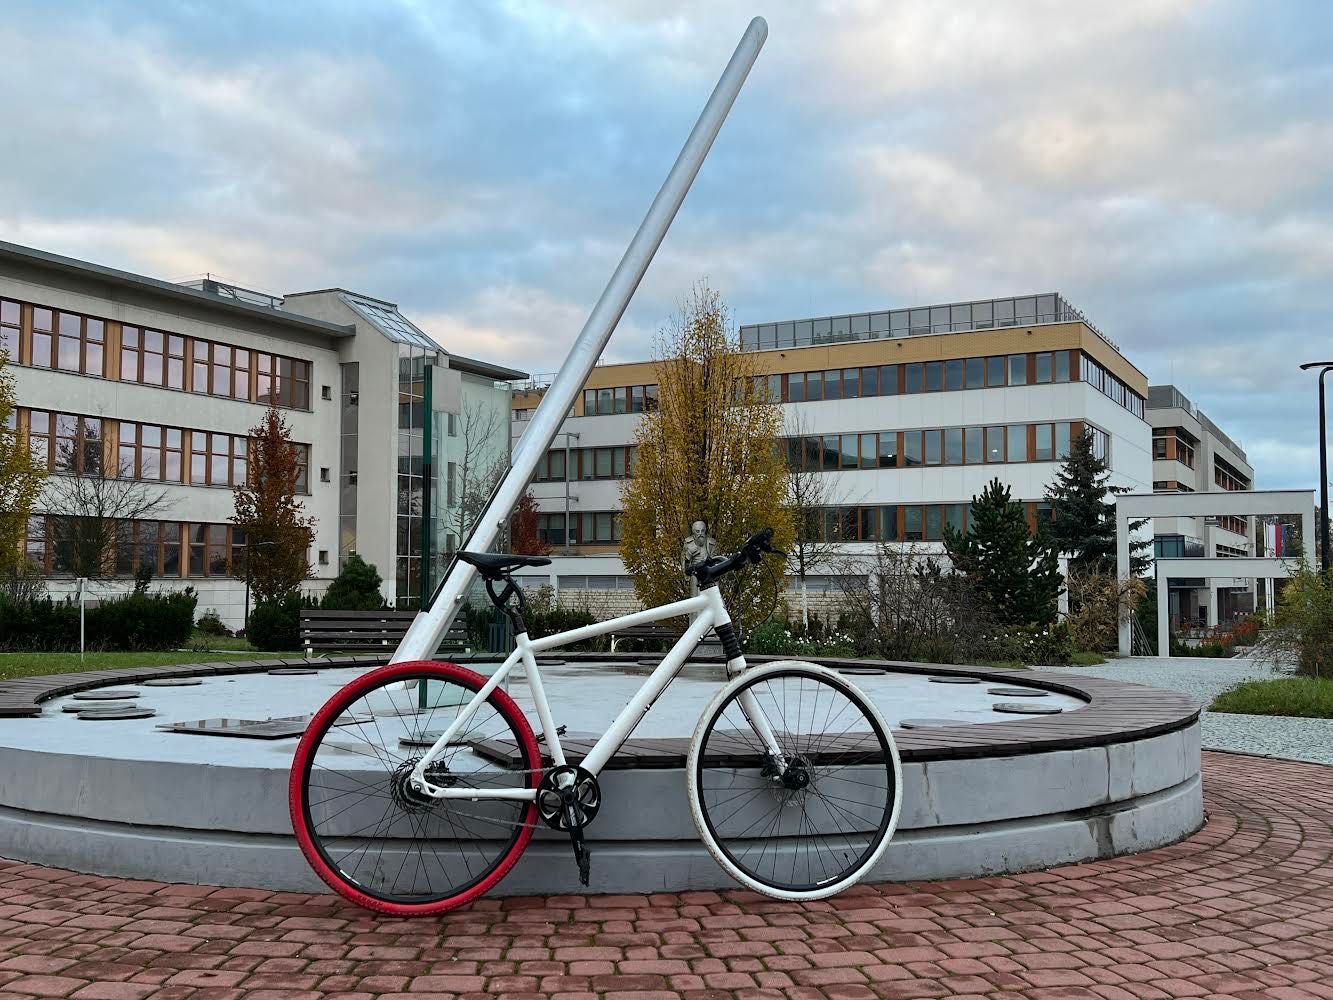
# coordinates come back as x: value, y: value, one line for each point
x: 1163, y: 163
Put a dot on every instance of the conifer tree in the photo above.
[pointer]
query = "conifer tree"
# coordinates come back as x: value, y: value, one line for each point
x: 1083, y: 513
x: 1015, y: 569
x: 355, y: 588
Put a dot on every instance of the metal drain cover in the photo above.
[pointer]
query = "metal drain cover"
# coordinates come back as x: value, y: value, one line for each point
x: 861, y: 671
x: 292, y: 671
x: 173, y: 682
x: 950, y: 679
x: 124, y: 712
x: 107, y: 694
x: 1018, y: 692
x: 1024, y: 708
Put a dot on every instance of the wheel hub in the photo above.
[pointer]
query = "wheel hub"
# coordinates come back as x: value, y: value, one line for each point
x: 403, y: 789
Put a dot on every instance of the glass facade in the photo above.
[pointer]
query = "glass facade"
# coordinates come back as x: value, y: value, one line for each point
x: 453, y: 446
x: 917, y: 321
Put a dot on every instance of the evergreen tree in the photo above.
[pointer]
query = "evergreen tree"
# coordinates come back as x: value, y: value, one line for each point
x: 355, y: 588
x: 1016, y: 570
x: 1083, y: 513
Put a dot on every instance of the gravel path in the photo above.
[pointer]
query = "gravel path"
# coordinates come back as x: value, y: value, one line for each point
x: 1276, y: 736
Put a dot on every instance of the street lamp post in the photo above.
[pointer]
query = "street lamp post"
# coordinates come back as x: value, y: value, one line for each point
x: 1324, y: 368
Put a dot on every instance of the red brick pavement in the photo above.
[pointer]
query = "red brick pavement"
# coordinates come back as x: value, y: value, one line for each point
x: 1243, y: 909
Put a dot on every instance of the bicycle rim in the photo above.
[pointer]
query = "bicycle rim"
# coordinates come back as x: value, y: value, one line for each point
x: 364, y: 831
x: 789, y: 835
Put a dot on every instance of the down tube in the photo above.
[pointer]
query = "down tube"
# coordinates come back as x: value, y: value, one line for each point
x: 633, y: 713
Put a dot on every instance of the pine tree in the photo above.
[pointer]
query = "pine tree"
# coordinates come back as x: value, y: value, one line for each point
x: 355, y: 588
x: 1015, y: 569
x: 1083, y: 513
x: 278, y: 534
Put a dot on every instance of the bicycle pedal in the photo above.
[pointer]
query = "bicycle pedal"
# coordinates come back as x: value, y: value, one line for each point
x: 585, y: 865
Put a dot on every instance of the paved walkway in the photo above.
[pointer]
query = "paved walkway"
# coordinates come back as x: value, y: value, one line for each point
x: 1205, y: 679
x: 1244, y: 908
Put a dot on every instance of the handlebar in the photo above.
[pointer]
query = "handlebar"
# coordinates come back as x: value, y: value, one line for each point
x: 752, y: 551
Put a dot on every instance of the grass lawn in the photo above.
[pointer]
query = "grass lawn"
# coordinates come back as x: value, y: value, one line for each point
x: 1303, y: 697
x: 32, y: 664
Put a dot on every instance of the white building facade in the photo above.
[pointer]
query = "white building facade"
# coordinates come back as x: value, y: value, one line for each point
x: 126, y: 377
x: 1191, y: 454
x: 907, y: 414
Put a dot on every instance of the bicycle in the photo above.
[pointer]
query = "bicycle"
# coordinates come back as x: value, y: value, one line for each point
x: 792, y: 774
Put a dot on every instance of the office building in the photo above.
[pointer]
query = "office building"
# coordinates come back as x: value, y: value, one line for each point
x: 1191, y: 454
x: 907, y: 412
x: 127, y: 377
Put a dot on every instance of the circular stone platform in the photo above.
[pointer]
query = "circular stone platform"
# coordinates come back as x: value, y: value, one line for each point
x: 1116, y: 771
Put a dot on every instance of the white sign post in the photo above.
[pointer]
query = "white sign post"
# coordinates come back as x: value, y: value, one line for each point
x: 82, y: 584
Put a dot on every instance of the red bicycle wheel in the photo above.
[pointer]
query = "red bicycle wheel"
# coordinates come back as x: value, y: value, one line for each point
x: 362, y: 828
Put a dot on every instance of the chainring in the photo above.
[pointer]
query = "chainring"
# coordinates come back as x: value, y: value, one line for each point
x: 568, y: 798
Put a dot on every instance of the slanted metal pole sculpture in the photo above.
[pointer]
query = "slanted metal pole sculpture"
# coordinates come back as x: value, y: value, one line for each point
x: 429, y: 627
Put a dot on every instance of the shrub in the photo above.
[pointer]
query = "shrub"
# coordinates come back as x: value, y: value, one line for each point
x: 1098, y: 602
x: 1039, y: 644
x: 144, y: 621
x: 1302, y: 626
x: 133, y: 622
x: 276, y: 625
x: 355, y: 588
x: 210, y: 623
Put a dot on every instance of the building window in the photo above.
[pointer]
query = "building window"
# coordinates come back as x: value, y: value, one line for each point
x: 1018, y: 369
x: 1044, y: 450
x: 9, y: 329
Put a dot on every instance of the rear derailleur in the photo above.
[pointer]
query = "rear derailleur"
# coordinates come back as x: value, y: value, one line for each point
x: 568, y: 799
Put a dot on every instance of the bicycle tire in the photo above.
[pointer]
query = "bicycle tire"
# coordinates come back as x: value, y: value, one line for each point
x: 734, y: 758
x: 372, y: 765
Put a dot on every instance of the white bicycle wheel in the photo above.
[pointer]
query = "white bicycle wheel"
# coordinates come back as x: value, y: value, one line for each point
x: 819, y: 825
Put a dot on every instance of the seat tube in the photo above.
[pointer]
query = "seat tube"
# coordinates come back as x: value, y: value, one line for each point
x: 539, y: 698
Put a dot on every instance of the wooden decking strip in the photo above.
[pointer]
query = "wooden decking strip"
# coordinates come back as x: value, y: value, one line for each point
x: 1114, y: 713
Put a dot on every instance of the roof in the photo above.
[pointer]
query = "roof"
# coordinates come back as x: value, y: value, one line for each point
x: 485, y: 369
x: 169, y: 290
x: 385, y: 317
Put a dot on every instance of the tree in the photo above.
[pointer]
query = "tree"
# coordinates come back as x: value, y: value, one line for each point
x: 809, y: 493
x: 20, y: 478
x: 92, y: 510
x: 278, y: 535
x: 1083, y: 515
x: 1015, y: 568
x: 706, y: 453
x: 355, y: 588
x: 523, y: 528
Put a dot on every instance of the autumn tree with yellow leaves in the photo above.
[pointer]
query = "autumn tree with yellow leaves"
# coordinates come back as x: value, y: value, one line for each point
x: 708, y: 452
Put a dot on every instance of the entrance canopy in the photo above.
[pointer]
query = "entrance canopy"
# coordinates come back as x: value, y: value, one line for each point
x: 1234, y: 503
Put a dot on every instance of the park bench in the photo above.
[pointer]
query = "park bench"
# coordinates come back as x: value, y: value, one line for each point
x: 368, y: 631
x: 652, y: 630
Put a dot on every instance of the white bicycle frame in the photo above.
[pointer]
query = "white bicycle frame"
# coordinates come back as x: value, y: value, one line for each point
x: 711, y: 612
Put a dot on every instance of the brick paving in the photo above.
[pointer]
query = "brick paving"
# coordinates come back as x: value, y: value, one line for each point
x: 1242, y: 909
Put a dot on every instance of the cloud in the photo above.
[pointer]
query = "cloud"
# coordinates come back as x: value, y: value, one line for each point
x: 1160, y: 162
